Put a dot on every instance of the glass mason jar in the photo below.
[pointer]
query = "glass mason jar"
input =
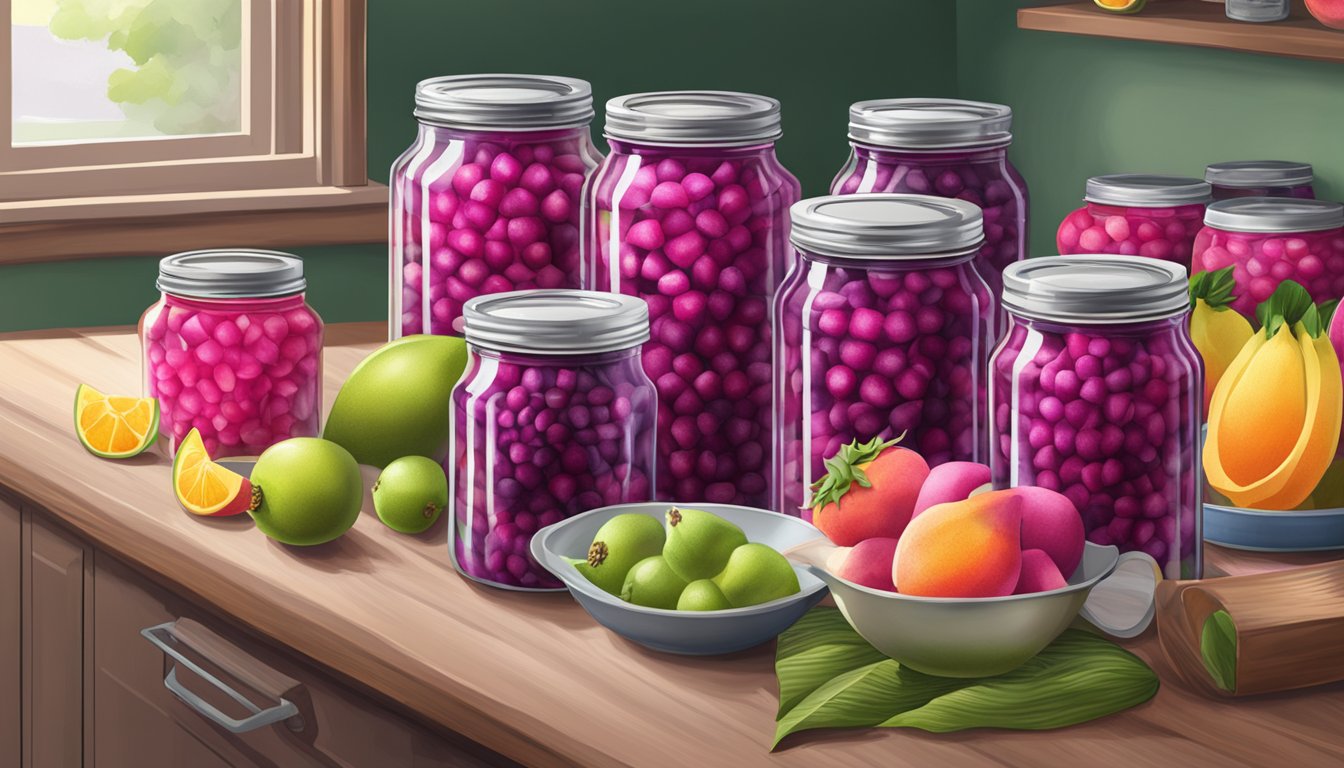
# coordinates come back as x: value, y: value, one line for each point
x: 690, y: 213
x: 487, y: 198
x: 883, y: 328
x: 232, y: 350
x: 553, y: 417
x: 947, y: 148
x: 1096, y: 392
x: 1137, y: 215
x: 1267, y: 240
x: 1260, y: 178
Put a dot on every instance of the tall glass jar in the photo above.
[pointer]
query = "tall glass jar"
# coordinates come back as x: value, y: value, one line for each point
x: 1268, y: 240
x: 1137, y: 215
x: 553, y: 417
x: 487, y: 198
x: 1260, y: 178
x: 690, y: 213
x: 1096, y: 392
x: 947, y: 148
x: 232, y: 350
x: 882, y: 330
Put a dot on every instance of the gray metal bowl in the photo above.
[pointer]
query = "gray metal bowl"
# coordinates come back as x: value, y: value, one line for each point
x: 980, y: 637
x: 691, y: 633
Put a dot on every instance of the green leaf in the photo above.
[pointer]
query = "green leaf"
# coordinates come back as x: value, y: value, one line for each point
x: 1327, y: 310
x: 830, y: 678
x: 1289, y: 304
x: 1218, y: 647
x: 1213, y: 288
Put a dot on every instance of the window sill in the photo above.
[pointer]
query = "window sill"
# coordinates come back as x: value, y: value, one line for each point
x: 159, y: 224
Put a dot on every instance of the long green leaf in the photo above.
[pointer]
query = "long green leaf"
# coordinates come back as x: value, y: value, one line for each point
x: 830, y: 678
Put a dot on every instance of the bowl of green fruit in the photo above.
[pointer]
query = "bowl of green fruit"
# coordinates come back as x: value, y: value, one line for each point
x: 697, y: 580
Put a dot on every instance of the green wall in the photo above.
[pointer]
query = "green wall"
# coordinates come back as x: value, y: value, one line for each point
x: 816, y: 58
x: 1084, y: 106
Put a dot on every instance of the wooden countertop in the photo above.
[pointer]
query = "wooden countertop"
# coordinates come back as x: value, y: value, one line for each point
x: 532, y: 676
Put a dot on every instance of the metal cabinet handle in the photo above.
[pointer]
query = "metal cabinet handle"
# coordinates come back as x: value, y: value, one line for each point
x: 161, y: 636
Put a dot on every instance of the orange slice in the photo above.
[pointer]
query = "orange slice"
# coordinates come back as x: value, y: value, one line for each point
x: 205, y: 488
x: 1121, y: 6
x: 115, y: 427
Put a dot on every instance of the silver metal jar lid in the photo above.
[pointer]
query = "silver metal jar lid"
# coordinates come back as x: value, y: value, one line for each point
x: 556, y: 322
x: 231, y: 273
x: 886, y: 226
x: 504, y: 102
x: 694, y: 118
x: 924, y: 124
x: 1259, y: 173
x: 1096, y: 289
x: 1274, y: 214
x: 1146, y: 190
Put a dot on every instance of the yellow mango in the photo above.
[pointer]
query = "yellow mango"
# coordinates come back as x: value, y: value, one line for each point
x: 1274, y: 420
x: 1218, y: 335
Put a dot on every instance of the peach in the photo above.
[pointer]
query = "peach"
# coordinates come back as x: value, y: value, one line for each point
x: 1328, y: 12
x: 1039, y: 573
x: 1051, y: 523
x: 953, y: 481
x: 868, y: 563
x: 969, y: 548
x: 879, y: 505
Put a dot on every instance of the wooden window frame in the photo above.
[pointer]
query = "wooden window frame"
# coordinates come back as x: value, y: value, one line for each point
x: 296, y: 174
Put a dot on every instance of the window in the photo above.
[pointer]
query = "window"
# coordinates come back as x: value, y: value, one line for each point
x: 215, y: 113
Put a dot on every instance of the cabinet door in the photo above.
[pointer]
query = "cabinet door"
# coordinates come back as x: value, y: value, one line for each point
x: 11, y: 643
x: 57, y: 576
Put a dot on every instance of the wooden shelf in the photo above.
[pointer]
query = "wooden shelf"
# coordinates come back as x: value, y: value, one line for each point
x: 1193, y: 22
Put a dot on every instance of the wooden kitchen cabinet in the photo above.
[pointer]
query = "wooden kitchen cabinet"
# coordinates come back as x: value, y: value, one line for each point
x: 11, y: 644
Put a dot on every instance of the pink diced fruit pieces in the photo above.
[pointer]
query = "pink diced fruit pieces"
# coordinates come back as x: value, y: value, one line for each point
x: 701, y: 239
x: 244, y: 379
x: 1260, y: 262
x: 505, y: 218
x: 1103, y: 421
x: 1158, y: 233
x: 892, y: 353
x: 565, y: 440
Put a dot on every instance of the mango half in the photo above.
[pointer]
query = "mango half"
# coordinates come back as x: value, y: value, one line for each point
x: 397, y: 401
x: 1274, y: 420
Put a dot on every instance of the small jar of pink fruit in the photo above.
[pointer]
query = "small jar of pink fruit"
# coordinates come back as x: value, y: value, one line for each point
x: 233, y: 350
x: 1137, y: 215
x: 1267, y: 240
x: 1095, y: 392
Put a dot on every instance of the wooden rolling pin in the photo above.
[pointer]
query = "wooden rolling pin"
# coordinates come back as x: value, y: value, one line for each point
x: 1243, y: 635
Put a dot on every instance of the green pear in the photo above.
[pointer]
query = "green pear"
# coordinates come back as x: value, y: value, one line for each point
x: 756, y: 574
x: 653, y: 584
x: 620, y: 543
x: 699, y: 543
x: 702, y: 595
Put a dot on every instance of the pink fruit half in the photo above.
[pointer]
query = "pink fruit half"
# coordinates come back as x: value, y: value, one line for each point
x: 868, y: 563
x: 952, y: 481
x: 1039, y: 574
x: 1051, y: 523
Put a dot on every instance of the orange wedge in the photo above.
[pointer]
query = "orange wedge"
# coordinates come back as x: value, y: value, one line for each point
x: 1121, y: 6
x: 115, y: 427
x: 205, y: 488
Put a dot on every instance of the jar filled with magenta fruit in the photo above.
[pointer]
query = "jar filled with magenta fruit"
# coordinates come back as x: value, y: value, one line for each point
x: 1137, y: 215
x: 1096, y: 392
x: 1261, y: 178
x: 1267, y: 240
x: 690, y: 213
x: 487, y: 198
x: 233, y: 350
x: 554, y: 416
x: 883, y: 329
x: 947, y: 148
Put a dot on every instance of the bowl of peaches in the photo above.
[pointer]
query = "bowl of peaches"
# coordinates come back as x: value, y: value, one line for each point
x: 949, y: 577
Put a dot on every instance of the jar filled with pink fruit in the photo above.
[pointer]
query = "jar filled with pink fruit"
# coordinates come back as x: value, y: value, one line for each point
x: 1261, y: 178
x: 1096, y: 392
x: 947, y: 148
x: 690, y: 213
x: 883, y: 330
x: 233, y: 351
x: 1267, y: 240
x: 554, y: 416
x: 1137, y: 215
x: 487, y: 198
